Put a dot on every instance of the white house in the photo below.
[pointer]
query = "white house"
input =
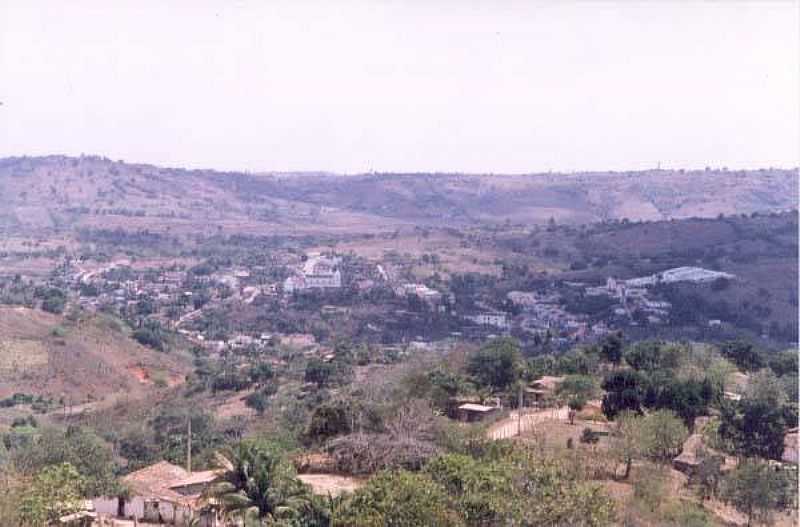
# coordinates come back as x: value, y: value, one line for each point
x: 162, y: 493
x: 498, y: 319
x: 318, y: 272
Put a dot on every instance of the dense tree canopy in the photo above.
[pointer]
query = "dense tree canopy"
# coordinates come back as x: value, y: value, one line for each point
x: 625, y: 391
x: 55, y: 491
x: 497, y: 364
x: 758, y: 490
x: 83, y: 450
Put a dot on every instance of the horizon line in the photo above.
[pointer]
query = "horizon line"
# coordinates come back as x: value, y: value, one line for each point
x: 267, y: 172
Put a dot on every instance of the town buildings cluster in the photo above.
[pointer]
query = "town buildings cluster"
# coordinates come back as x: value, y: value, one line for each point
x: 177, y: 296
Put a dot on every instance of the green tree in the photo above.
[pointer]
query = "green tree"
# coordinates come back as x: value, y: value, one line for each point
x: 259, y: 484
x: 764, y: 386
x: 328, y: 420
x: 611, y: 348
x: 81, y: 448
x: 582, y: 386
x: 687, y: 398
x: 754, y: 428
x: 756, y: 424
x: 319, y: 372
x: 650, y: 355
x: 743, y: 354
x: 708, y: 474
x: 170, y: 430
x: 258, y: 401
x: 497, y: 364
x: 482, y: 489
x: 785, y: 362
x: 757, y: 490
x: 551, y: 493
x: 625, y: 390
x: 575, y: 404
x: 665, y: 434
x: 628, y: 439
x: 55, y: 491
x: 398, y: 499
x: 54, y: 301
x: 261, y: 373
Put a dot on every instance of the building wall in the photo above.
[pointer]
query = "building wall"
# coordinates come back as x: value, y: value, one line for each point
x: 172, y: 514
x: 105, y: 506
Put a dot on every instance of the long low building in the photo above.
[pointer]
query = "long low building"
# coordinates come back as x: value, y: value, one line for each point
x: 679, y: 274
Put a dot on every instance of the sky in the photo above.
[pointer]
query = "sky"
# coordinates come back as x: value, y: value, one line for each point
x: 436, y: 85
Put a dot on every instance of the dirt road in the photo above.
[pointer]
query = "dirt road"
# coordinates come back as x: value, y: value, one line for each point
x: 511, y: 426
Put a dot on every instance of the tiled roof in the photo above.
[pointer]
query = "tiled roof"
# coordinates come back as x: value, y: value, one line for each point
x: 155, y: 481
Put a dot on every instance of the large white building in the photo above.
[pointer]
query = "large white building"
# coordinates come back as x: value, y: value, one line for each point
x: 422, y: 291
x: 679, y: 274
x: 318, y: 272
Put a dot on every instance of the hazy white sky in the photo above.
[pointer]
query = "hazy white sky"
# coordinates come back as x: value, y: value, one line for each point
x: 403, y: 85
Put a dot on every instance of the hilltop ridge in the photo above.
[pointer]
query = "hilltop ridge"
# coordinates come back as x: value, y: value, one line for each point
x: 62, y: 194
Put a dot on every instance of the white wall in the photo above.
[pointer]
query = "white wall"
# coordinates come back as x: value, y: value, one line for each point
x: 134, y: 507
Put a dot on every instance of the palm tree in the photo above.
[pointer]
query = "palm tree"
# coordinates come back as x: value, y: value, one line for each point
x: 259, y: 485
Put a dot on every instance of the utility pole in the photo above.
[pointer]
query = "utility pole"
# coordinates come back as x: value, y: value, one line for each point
x: 189, y: 444
x: 519, y: 410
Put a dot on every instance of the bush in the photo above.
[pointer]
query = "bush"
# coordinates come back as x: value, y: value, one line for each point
x: 54, y: 301
x: 327, y: 421
x: 589, y: 436
x: 369, y: 453
x: 398, y: 498
x: 149, y: 338
x: 259, y: 401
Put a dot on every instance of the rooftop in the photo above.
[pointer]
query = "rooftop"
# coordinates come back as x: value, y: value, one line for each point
x: 472, y: 407
x: 158, y: 480
x: 196, y: 478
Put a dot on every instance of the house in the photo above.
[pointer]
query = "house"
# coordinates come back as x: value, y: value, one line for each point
x: 471, y: 412
x: 732, y: 396
x: 298, y: 340
x: 162, y: 493
x: 294, y: 283
x: 421, y: 291
x: 542, y: 390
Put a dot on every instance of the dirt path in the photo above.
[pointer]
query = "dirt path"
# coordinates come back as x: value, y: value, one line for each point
x: 324, y: 484
x: 512, y: 425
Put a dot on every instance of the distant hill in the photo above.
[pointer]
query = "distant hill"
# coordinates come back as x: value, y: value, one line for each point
x: 88, y: 360
x: 60, y: 194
